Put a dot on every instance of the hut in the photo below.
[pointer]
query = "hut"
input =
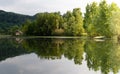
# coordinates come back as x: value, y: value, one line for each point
x: 18, y: 33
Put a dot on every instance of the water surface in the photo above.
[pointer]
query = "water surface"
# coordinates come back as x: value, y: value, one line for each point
x: 59, y: 56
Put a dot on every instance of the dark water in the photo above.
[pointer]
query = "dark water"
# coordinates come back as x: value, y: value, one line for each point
x: 59, y: 56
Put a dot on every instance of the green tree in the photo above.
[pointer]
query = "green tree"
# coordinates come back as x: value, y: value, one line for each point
x: 68, y: 23
x: 102, y: 20
x: 90, y: 19
x: 27, y: 28
x: 114, y: 19
x: 44, y: 25
x: 73, y: 24
x: 103, y: 25
x: 78, y: 25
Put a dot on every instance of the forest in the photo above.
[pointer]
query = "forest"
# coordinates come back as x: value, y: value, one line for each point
x: 99, y: 20
x: 10, y: 21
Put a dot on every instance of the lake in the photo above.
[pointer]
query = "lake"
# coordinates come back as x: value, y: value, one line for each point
x: 59, y: 56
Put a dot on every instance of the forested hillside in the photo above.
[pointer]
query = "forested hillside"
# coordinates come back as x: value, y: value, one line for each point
x: 10, y: 19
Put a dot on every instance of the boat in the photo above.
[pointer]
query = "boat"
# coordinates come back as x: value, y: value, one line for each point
x: 99, y: 37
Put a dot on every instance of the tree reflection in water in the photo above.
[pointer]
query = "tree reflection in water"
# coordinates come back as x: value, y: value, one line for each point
x: 104, y: 56
x: 55, y: 48
x: 99, y: 55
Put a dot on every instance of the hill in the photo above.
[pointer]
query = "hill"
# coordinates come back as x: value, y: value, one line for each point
x: 10, y: 19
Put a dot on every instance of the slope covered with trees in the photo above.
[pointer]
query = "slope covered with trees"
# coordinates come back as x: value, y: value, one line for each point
x: 10, y: 19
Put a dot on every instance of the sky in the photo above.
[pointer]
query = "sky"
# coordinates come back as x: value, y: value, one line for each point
x: 31, y: 7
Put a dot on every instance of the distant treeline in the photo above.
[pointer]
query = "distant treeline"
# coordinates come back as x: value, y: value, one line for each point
x: 99, y: 20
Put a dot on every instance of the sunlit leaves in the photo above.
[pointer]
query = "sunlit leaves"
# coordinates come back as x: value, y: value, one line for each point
x: 102, y: 19
x: 90, y: 18
x: 73, y: 24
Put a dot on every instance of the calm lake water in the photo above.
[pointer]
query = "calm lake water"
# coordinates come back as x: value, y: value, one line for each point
x: 59, y: 56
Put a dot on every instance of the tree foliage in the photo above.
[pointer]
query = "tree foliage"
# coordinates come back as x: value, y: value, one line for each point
x: 103, y: 24
x: 114, y: 19
x: 90, y: 18
x: 101, y: 20
x: 47, y: 24
x: 10, y: 19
